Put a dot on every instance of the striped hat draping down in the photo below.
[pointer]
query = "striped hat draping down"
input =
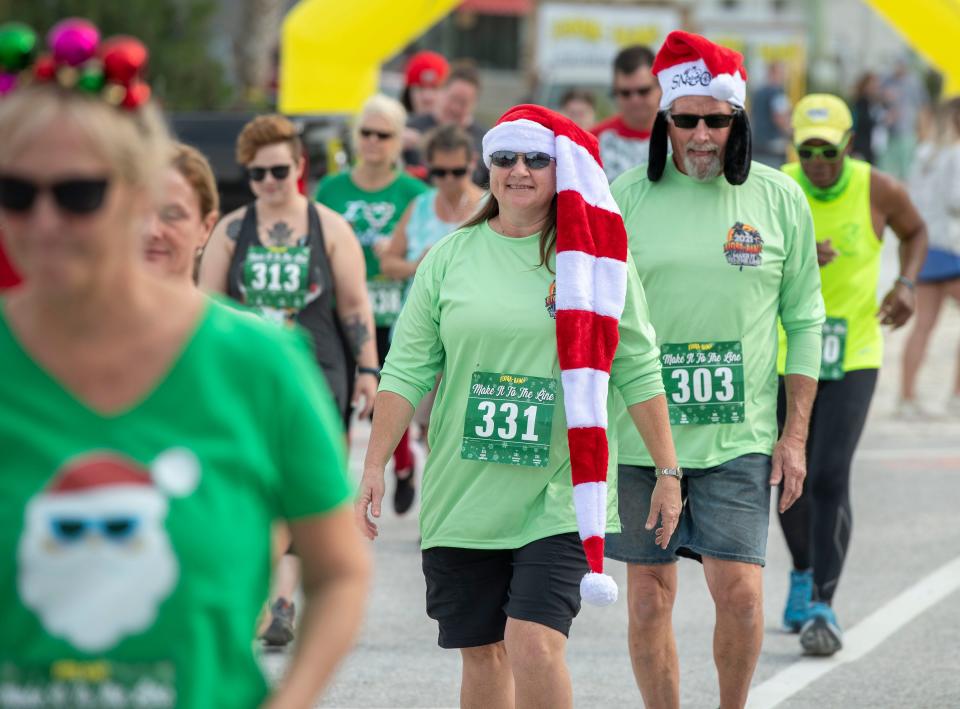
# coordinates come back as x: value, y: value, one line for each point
x: 591, y: 281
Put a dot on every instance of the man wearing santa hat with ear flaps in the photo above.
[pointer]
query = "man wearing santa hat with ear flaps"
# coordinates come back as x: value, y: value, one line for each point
x: 724, y: 247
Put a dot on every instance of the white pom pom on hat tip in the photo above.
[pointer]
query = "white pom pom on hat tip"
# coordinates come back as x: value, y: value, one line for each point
x: 176, y: 472
x: 598, y: 589
x: 723, y: 87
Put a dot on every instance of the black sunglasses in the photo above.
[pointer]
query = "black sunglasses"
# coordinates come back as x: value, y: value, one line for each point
x: 442, y: 172
x: 279, y: 172
x: 688, y: 121
x: 627, y: 93
x: 77, y: 196
x: 381, y: 135
x: 508, y: 158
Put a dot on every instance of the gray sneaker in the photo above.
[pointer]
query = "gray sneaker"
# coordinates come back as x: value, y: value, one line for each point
x: 279, y: 633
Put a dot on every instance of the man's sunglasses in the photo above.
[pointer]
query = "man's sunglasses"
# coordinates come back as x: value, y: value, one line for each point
x: 829, y: 153
x: 279, y: 172
x: 639, y: 91
x: 508, y: 158
x: 688, y: 121
x: 381, y: 135
x: 442, y: 172
x: 76, y: 196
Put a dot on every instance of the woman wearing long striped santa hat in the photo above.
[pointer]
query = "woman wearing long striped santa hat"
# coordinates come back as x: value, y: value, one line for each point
x: 532, y: 312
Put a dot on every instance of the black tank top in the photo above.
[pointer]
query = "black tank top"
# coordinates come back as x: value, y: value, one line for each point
x: 292, y: 283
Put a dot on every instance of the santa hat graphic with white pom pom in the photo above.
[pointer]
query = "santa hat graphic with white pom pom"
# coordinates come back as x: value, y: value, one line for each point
x: 175, y: 472
x: 591, y: 287
x: 690, y: 65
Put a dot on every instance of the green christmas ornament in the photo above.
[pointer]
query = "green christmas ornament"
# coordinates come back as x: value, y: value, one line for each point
x: 17, y: 46
x: 91, y: 79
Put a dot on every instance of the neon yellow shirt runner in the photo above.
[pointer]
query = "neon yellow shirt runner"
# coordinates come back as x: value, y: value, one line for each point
x: 482, y: 312
x: 719, y: 263
x: 851, y: 337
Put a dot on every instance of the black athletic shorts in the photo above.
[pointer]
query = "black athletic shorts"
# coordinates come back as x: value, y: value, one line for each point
x: 472, y: 592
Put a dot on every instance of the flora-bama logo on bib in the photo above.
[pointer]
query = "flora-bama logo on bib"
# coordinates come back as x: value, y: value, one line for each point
x: 744, y: 246
x: 94, y: 559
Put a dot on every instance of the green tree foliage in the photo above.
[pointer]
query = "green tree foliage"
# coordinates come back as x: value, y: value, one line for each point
x: 181, y: 72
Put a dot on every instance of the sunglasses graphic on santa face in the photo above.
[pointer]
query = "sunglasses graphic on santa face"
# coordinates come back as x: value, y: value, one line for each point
x: 115, y: 529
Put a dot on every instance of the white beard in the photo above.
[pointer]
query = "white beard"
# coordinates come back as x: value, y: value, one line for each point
x: 93, y: 591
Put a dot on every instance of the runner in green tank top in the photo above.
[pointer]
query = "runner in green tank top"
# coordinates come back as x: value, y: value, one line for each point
x: 852, y: 205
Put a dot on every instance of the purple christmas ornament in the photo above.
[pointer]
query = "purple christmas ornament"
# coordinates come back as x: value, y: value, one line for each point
x: 73, y: 41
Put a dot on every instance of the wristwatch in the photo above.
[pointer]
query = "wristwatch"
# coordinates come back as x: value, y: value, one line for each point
x: 369, y: 370
x: 669, y: 473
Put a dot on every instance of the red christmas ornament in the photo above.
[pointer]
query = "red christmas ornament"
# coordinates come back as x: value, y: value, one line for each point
x: 45, y: 69
x: 138, y: 93
x: 124, y: 58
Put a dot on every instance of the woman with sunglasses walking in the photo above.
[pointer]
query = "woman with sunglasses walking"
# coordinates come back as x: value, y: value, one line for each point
x: 372, y: 197
x: 294, y: 261
x: 150, y: 436
x: 531, y: 311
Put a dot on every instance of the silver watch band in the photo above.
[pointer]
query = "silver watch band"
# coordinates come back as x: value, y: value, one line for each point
x: 669, y: 472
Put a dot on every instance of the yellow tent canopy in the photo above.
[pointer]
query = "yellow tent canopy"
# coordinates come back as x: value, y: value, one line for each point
x: 932, y: 28
x: 332, y: 50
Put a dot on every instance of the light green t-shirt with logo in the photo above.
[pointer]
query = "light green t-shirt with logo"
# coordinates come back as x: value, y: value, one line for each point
x: 482, y: 313
x: 135, y: 547
x: 719, y: 263
x: 373, y: 216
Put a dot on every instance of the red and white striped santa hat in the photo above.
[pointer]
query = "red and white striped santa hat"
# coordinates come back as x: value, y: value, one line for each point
x: 591, y: 286
x: 690, y: 65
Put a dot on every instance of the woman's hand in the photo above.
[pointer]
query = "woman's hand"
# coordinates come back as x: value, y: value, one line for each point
x: 365, y: 388
x: 371, y: 495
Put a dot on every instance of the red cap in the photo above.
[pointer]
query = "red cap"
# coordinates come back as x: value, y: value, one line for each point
x: 427, y: 69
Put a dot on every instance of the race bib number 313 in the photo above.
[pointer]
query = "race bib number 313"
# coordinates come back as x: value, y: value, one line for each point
x: 704, y: 382
x: 509, y: 419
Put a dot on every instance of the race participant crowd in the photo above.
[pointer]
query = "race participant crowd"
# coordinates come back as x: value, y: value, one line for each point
x: 613, y: 343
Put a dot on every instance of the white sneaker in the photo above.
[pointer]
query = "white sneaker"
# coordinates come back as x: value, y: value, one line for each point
x: 953, y: 406
x: 910, y: 410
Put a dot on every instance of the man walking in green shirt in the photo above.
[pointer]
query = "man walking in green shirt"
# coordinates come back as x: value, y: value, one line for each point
x: 723, y: 248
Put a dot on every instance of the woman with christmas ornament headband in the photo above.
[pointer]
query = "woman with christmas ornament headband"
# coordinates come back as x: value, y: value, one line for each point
x: 132, y: 416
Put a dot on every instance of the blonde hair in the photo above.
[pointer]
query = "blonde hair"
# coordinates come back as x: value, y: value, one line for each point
x: 384, y: 107
x: 195, y: 169
x: 267, y: 130
x: 135, y: 142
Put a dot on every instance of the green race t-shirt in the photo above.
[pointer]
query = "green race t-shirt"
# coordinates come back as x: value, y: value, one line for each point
x: 373, y: 216
x: 481, y: 311
x: 135, y: 547
x: 719, y: 263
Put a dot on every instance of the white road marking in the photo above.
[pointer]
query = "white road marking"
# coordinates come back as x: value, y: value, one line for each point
x: 862, y: 638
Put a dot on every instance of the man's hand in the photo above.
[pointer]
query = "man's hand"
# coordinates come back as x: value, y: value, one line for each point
x: 371, y: 495
x: 897, y: 307
x: 790, y: 466
x: 665, y: 503
x: 825, y: 252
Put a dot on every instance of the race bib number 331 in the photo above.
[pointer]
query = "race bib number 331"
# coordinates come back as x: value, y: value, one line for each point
x: 704, y: 382
x: 509, y: 419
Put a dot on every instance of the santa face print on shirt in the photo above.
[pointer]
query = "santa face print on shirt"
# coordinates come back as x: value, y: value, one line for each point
x: 95, y: 561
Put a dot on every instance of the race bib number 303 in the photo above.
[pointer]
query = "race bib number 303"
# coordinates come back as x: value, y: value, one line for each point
x: 704, y: 382
x: 386, y: 299
x: 509, y: 419
x: 834, y: 348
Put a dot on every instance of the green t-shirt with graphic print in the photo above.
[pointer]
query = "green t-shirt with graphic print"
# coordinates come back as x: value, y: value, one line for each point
x: 135, y: 547
x: 481, y: 312
x: 373, y: 216
x: 719, y: 263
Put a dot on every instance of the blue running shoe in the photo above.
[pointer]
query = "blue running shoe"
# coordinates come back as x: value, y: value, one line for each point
x: 797, y: 611
x: 821, y: 635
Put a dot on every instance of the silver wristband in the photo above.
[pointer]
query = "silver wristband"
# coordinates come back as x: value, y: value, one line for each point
x: 669, y: 473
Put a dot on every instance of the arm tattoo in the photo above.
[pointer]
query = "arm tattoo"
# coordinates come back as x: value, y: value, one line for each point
x: 233, y: 229
x: 280, y: 233
x: 356, y: 332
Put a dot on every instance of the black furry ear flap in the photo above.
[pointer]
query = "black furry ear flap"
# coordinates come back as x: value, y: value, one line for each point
x: 739, y: 152
x: 657, y: 160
